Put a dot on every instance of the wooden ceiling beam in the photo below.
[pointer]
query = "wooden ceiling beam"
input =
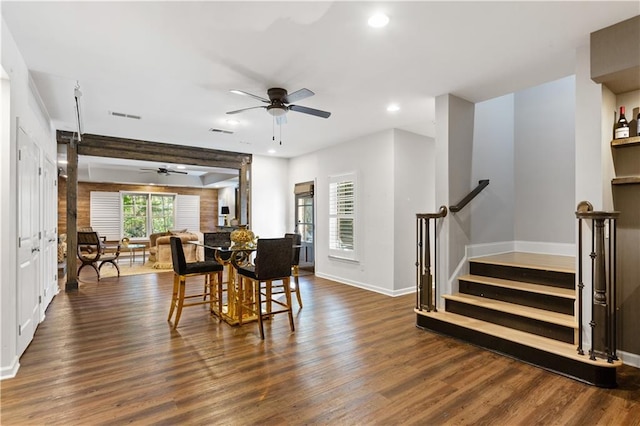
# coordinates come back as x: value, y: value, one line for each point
x: 133, y: 149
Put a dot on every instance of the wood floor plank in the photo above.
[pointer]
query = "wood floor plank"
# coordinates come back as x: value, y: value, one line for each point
x: 107, y: 355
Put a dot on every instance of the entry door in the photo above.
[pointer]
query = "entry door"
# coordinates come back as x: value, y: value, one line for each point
x: 305, y: 227
x: 50, y: 237
x: 28, y: 291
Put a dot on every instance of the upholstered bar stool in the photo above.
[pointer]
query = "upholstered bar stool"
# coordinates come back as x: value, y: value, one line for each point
x: 273, y: 264
x: 212, y: 294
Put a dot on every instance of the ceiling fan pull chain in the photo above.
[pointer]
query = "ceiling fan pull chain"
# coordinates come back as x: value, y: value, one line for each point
x: 280, y: 125
x: 273, y: 129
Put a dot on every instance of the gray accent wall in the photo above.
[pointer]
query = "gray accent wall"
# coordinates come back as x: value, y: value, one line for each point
x: 545, y: 163
x: 492, y: 217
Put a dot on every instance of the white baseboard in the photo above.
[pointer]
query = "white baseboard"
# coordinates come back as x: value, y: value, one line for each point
x: 559, y: 249
x: 629, y: 358
x: 363, y: 286
x: 10, y: 371
x: 478, y: 250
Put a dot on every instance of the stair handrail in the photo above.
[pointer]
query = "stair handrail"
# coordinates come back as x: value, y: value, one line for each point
x: 603, y: 279
x: 426, y: 283
x: 482, y: 184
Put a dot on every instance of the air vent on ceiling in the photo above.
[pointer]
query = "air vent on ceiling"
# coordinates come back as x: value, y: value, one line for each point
x: 228, y: 132
x: 123, y: 115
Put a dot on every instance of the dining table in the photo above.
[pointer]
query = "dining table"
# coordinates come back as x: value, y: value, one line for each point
x: 232, y: 257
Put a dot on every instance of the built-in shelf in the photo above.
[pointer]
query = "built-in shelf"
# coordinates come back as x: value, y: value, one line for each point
x: 627, y: 180
x: 635, y: 140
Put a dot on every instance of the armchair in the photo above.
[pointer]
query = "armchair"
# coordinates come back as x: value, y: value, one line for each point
x: 161, y: 251
x: 92, y: 250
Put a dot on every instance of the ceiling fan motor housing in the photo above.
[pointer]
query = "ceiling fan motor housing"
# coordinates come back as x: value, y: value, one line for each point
x: 277, y: 94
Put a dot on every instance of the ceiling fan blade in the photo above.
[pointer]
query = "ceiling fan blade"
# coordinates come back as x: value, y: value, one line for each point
x: 150, y: 170
x: 260, y: 98
x: 311, y: 111
x: 244, y: 109
x: 297, y: 96
x: 176, y: 171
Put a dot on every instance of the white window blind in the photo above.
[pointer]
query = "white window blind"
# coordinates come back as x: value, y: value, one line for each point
x: 188, y: 212
x: 342, y: 216
x: 105, y: 214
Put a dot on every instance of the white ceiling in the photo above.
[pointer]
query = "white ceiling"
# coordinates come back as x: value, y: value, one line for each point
x: 173, y: 63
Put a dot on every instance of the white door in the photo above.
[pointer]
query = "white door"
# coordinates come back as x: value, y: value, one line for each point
x: 50, y: 238
x: 28, y: 239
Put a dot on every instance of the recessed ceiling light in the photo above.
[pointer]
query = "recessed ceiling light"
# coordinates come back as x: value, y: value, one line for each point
x: 232, y: 122
x: 393, y: 108
x: 272, y: 151
x: 378, y: 20
x: 180, y: 167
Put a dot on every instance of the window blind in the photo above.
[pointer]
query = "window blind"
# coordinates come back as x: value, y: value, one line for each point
x: 342, y: 216
x: 105, y: 214
x: 188, y: 212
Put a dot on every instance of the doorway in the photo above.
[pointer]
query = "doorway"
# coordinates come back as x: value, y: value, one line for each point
x: 305, y: 225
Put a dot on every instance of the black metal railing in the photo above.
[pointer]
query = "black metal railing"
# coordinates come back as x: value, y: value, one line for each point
x: 482, y: 184
x: 426, y: 281
x: 603, y: 280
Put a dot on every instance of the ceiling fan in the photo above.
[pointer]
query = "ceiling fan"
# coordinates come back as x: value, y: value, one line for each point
x: 279, y: 103
x: 165, y: 171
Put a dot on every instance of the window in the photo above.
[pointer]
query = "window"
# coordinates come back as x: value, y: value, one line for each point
x: 144, y: 214
x: 342, y: 216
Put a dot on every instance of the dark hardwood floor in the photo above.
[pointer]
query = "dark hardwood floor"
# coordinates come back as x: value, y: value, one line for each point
x: 106, y: 355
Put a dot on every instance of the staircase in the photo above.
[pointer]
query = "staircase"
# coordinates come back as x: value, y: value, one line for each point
x: 521, y: 305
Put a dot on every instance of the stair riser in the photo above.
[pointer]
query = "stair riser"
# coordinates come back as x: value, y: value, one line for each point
x: 534, y: 276
x: 541, y: 328
x: 520, y: 297
x: 601, y: 376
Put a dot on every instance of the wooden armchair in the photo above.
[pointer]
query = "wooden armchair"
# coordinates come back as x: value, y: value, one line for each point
x: 93, y: 252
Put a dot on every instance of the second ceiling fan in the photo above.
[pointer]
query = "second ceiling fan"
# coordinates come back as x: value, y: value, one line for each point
x: 280, y: 102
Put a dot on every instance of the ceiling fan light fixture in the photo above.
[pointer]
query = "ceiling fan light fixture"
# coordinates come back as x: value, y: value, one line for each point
x: 276, y: 110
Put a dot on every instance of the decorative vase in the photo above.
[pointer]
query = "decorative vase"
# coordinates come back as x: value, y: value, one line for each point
x: 243, y: 237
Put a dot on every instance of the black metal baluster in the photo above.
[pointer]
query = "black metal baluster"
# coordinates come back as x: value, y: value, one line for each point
x: 592, y: 323
x: 435, y: 264
x: 580, y: 287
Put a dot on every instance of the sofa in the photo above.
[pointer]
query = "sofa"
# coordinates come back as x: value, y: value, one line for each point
x: 160, y: 248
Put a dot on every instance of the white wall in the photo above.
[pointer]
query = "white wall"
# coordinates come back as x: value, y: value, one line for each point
x: 492, y: 211
x: 25, y: 104
x: 269, y: 196
x: 414, y: 192
x: 373, y: 158
x: 545, y: 162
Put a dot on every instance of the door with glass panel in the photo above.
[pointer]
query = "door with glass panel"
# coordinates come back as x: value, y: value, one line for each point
x: 305, y: 223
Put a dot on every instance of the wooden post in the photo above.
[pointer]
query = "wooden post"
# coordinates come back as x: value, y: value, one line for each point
x: 72, y: 215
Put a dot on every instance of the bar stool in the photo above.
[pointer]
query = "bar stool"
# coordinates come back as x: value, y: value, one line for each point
x: 274, y: 264
x: 210, y: 269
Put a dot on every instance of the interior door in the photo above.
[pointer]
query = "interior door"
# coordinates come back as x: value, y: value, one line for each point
x: 306, y: 228
x: 50, y: 237
x: 28, y: 291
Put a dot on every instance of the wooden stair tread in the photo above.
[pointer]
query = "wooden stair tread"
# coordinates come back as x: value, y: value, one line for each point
x: 545, y: 262
x: 511, y: 308
x: 532, y: 340
x: 520, y: 285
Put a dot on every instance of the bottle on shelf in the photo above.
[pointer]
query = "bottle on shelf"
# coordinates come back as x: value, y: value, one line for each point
x: 622, y: 127
x: 638, y: 124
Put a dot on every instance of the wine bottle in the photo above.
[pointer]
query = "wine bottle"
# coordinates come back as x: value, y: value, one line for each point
x: 638, y: 124
x: 622, y: 127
